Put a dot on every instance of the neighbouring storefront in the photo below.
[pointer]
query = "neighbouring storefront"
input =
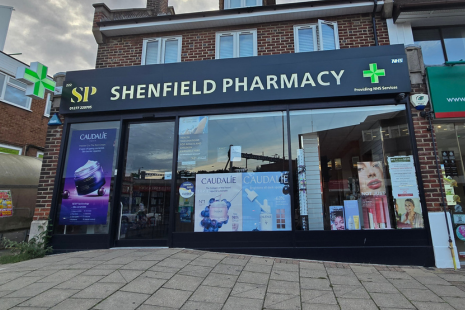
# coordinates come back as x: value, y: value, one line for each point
x: 447, y: 87
x: 308, y: 155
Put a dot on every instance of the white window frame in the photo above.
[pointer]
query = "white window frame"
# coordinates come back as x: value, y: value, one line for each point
x: 227, y: 4
x: 48, y: 106
x: 235, y: 35
x: 3, y: 91
x: 161, y: 48
x: 40, y: 153
x: 317, y: 34
x: 12, y: 148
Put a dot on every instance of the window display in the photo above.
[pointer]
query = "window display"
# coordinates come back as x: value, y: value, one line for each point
x: 237, y: 168
x: 352, y: 171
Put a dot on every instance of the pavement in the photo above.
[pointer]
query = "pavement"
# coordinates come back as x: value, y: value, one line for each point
x: 167, y: 279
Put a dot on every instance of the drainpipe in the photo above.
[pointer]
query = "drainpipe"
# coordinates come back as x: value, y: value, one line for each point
x: 374, y: 21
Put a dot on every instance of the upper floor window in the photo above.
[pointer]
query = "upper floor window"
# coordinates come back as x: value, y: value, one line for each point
x: 233, y: 4
x: 9, y: 149
x: 233, y: 44
x: 316, y: 37
x: 48, y: 106
x: 441, y: 44
x: 14, y: 92
x: 161, y: 50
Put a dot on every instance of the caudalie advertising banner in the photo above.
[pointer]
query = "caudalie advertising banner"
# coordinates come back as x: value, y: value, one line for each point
x: 346, y: 72
x: 447, y: 87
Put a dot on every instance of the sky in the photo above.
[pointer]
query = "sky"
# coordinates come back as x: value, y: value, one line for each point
x: 58, y: 33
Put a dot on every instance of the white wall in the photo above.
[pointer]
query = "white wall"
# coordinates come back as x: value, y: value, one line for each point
x: 400, y: 33
x: 5, y: 15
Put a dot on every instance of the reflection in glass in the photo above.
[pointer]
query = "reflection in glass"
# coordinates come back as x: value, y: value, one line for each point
x: 238, y: 164
x: 171, y: 51
x: 328, y: 35
x: 151, y: 55
x: 306, y: 40
x: 146, y: 188
x: 454, y: 40
x: 245, y: 45
x: 226, y: 46
x: 16, y: 96
x: 430, y: 42
x: 353, y: 190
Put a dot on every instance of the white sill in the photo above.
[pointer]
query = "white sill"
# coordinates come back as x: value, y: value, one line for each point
x: 15, y: 105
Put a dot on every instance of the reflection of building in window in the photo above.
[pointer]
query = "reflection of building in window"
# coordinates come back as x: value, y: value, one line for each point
x: 389, y: 132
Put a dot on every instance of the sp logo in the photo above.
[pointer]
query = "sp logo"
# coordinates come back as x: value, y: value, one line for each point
x: 81, y: 94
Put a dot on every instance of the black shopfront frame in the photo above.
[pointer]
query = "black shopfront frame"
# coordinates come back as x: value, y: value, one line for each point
x: 402, y: 247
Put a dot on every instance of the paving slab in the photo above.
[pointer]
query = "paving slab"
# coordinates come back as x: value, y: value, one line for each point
x: 422, y: 305
x: 420, y: 295
x: 347, y: 291
x: 210, y: 294
x: 76, y: 304
x: 457, y: 303
x: 248, y: 290
x: 318, y: 297
x: 315, y: 284
x: 99, y: 290
x: 185, y: 283
x: 143, y: 285
x: 122, y: 300
x: 220, y: 280
x: 356, y: 304
x: 7, y: 303
x: 48, y: 298
x: 195, y: 305
x: 234, y: 303
x: 168, y: 298
x: 282, y: 302
x: 446, y: 291
x: 391, y: 300
x: 254, y: 277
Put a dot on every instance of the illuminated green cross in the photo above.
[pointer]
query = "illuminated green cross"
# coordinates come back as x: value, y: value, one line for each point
x: 373, y: 73
x: 36, y: 79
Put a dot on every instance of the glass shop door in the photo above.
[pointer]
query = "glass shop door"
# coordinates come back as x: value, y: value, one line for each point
x: 146, y: 184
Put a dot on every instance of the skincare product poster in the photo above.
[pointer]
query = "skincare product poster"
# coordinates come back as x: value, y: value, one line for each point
x: 371, y: 178
x: 266, y: 203
x: 218, y: 202
x: 352, y: 214
x: 6, y: 203
x: 410, y: 214
x: 88, y: 177
x: 336, y: 216
x: 375, y: 212
x: 193, y: 140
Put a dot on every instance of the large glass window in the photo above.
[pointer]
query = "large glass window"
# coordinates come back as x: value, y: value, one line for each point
x: 87, y: 186
x: 234, y: 4
x: 354, y: 169
x: 441, y: 44
x: 451, y: 147
x: 233, y: 173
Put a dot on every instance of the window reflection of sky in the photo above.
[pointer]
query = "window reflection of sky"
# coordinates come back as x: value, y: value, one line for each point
x: 16, y: 96
x: 257, y: 133
x: 150, y: 146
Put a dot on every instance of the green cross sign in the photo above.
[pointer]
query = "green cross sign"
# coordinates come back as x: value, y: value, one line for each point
x: 374, y: 73
x: 36, y: 79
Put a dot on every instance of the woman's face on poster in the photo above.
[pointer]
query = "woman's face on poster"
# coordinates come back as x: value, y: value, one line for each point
x: 371, y: 178
x: 409, y: 207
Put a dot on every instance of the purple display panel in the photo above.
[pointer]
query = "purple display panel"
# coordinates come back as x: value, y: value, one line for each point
x: 87, y: 178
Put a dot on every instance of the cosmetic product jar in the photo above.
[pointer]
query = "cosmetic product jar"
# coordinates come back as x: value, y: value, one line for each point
x: 89, y: 178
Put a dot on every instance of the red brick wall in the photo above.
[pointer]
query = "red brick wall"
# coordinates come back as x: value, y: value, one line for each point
x: 48, y: 171
x: 273, y: 38
x: 20, y: 127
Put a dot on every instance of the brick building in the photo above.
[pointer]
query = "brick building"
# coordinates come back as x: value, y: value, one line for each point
x: 258, y: 92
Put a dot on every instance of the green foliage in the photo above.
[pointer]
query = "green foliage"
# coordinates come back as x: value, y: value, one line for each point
x: 37, y: 247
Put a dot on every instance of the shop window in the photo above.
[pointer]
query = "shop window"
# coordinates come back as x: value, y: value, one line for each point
x: 234, y: 4
x: 14, y: 92
x: 316, y: 37
x: 233, y: 173
x: 450, y: 143
x: 235, y: 44
x: 161, y: 50
x: 354, y: 169
x: 441, y: 44
x: 8, y: 149
x: 87, y: 184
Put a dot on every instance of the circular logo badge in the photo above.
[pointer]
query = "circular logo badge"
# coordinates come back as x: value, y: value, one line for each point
x: 461, y: 232
x: 186, y: 190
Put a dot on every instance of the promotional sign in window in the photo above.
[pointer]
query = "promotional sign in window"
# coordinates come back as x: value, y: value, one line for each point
x: 87, y: 177
x: 242, y: 202
x: 6, y: 203
x: 405, y: 192
x: 193, y: 140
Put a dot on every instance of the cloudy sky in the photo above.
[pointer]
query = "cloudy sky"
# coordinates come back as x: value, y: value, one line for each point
x: 58, y: 33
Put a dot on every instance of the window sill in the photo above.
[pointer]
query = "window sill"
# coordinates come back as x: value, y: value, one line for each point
x: 15, y: 105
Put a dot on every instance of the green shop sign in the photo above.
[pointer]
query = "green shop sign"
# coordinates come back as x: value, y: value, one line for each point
x: 447, y: 87
x: 36, y: 79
